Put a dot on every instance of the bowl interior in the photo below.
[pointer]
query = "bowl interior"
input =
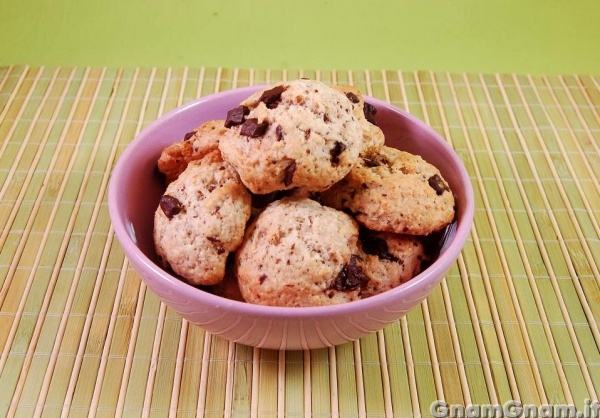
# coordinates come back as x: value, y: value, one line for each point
x: 136, y: 187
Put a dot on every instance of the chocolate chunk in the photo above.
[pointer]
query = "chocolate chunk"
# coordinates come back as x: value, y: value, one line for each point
x: 253, y: 129
x: 438, y: 184
x: 236, y: 116
x: 351, y: 277
x: 375, y: 246
x: 170, y: 206
x: 336, y: 151
x: 262, y: 278
x: 289, y: 173
x: 352, y: 97
x: 189, y: 135
x: 279, y: 132
x: 371, y: 163
x: 272, y: 97
x: 370, y: 111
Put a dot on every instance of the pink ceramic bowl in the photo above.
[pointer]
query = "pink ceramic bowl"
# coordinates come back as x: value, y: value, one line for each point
x: 135, y: 191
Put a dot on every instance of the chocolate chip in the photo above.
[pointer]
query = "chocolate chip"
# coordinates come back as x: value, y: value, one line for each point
x: 371, y: 163
x: 170, y: 206
x: 189, y: 135
x: 438, y: 184
x: 253, y: 129
x: 370, y: 111
x: 236, y: 116
x: 375, y: 246
x: 262, y: 278
x: 272, y: 97
x: 279, y: 132
x: 336, y: 151
x: 289, y: 173
x: 351, y: 277
x: 352, y: 97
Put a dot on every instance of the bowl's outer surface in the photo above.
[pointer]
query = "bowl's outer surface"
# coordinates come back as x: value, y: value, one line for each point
x: 135, y: 190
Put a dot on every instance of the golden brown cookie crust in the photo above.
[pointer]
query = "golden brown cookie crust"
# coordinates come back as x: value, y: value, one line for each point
x: 201, y: 219
x: 195, y: 145
x: 295, y: 253
x: 390, y: 260
x: 394, y: 191
x: 310, y: 138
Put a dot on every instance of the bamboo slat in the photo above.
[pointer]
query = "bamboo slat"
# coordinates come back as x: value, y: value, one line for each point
x: 516, y: 317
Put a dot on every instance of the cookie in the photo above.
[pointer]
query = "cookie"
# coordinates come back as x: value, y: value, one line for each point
x: 201, y: 218
x: 297, y: 134
x: 394, y: 191
x: 373, y: 136
x: 300, y: 253
x: 195, y: 144
x: 390, y: 260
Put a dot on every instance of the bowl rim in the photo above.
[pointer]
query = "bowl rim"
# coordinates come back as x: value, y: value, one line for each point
x: 136, y: 256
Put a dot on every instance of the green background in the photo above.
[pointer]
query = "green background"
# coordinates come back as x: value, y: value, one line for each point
x: 537, y: 37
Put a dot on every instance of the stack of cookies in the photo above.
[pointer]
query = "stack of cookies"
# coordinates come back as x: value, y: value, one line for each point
x: 293, y: 199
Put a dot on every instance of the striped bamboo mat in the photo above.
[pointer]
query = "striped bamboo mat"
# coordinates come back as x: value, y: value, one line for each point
x: 515, y: 319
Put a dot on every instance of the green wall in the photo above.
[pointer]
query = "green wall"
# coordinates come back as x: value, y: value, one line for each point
x: 526, y: 36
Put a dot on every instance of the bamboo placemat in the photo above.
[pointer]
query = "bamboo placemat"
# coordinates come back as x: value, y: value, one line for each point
x: 515, y: 319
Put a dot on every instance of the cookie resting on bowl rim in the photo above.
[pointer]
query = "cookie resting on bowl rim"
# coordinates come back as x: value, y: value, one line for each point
x: 135, y: 190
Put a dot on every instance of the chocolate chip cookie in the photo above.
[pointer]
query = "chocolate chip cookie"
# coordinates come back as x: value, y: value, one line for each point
x: 393, y: 191
x: 300, y: 253
x: 194, y: 145
x: 301, y: 133
x: 200, y: 219
x: 390, y: 259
